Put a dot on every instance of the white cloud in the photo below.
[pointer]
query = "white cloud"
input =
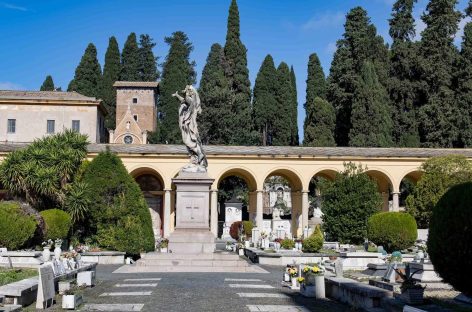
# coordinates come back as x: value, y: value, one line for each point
x: 6, y: 85
x: 13, y: 6
x: 326, y: 20
x: 331, y: 48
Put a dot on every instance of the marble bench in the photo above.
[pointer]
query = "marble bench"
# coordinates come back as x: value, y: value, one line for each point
x: 24, y: 292
x: 355, y: 293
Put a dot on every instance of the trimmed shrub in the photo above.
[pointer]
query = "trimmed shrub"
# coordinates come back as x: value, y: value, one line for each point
x: 234, y: 230
x: 118, y: 215
x: 248, y: 226
x: 287, y: 243
x: 58, y: 223
x: 16, y: 227
x: 347, y: 204
x: 449, y: 240
x: 313, y: 243
x: 392, y: 230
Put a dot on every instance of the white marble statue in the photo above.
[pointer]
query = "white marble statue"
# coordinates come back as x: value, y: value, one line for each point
x: 190, y: 107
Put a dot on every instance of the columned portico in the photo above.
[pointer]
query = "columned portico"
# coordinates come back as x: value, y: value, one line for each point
x: 214, y: 212
x: 167, y: 209
x: 259, y: 209
x: 305, y: 208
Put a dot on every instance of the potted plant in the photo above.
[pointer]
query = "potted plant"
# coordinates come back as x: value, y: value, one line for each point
x: 411, y: 290
x: 71, y: 298
x: 293, y: 272
x: 241, y: 249
x: 47, y: 250
x: 286, y: 274
x: 314, y: 280
x: 163, y: 244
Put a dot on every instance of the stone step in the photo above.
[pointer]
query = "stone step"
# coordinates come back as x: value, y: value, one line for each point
x: 176, y: 256
x: 193, y: 262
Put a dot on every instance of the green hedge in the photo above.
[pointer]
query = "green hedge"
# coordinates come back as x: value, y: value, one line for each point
x: 287, y: 243
x: 16, y: 227
x: 449, y: 240
x: 58, y: 223
x: 392, y: 230
x: 119, y: 217
x: 314, y: 242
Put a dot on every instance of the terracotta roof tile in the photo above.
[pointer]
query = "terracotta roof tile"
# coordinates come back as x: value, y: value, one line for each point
x: 43, y: 95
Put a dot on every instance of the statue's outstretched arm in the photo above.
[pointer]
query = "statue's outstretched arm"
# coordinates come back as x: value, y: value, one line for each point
x: 176, y: 94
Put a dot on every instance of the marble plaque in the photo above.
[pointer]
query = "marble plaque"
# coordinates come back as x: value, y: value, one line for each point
x: 194, y: 210
x: 46, y: 289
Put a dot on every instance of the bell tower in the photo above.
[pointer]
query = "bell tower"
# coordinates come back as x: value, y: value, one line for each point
x: 136, y: 112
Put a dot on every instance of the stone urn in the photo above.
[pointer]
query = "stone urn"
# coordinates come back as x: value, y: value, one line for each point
x: 46, y: 254
x: 57, y: 252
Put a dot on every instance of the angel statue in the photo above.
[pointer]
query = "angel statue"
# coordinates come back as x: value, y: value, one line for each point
x: 189, y: 109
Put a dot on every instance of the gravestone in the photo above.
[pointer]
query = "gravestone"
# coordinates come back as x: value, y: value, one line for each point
x: 338, y: 267
x: 192, y: 231
x: 46, y: 291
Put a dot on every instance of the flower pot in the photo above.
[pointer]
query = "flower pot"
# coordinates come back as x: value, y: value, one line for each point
x: 241, y: 251
x: 247, y: 244
x: 295, y: 284
x: 57, y: 252
x: 70, y: 302
x: 46, y: 254
x: 320, y: 287
x: 307, y: 290
x: 413, y: 295
x: 164, y: 250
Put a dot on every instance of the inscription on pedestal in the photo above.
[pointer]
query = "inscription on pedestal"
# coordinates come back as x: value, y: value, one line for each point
x: 194, y: 213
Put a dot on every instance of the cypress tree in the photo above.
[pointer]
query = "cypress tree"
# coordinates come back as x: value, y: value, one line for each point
x: 320, y: 119
x: 48, y: 84
x: 147, y: 61
x: 215, y: 97
x: 360, y: 43
x: 177, y: 72
x: 464, y: 84
x: 294, y: 139
x: 88, y: 74
x: 282, y: 114
x: 130, y: 60
x: 404, y: 75
x: 438, y: 116
x: 265, y: 101
x: 371, y: 117
x: 238, y: 77
x: 111, y: 73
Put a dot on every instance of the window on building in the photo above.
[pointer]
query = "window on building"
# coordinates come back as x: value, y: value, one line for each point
x: 51, y: 125
x: 76, y: 125
x: 135, y: 100
x: 11, y: 126
x: 135, y: 117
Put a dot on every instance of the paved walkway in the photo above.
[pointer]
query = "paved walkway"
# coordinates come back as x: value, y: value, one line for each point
x: 198, y: 292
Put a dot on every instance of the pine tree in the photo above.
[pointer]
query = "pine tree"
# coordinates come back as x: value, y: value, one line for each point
x: 147, y: 61
x: 177, y: 72
x: 111, y: 73
x: 464, y: 84
x: 404, y: 75
x: 294, y: 139
x: 238, y: 76
x: 265, y: 101
x: 130, y: 60
x: 320, y: 119
x: 360, y: 43
x: 88, y: 74
x: 282, y: 115
x: 215, y: 94
x: 438, y: 116
x: 371, y: 116
x: 48, y: 84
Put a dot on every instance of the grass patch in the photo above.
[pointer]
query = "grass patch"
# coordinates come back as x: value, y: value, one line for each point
x: 13, y: 275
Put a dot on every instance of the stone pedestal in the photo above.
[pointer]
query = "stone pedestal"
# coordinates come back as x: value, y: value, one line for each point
x: 192, y: 233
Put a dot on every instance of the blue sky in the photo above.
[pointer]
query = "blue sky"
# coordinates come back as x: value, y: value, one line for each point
x: 49, y: 37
